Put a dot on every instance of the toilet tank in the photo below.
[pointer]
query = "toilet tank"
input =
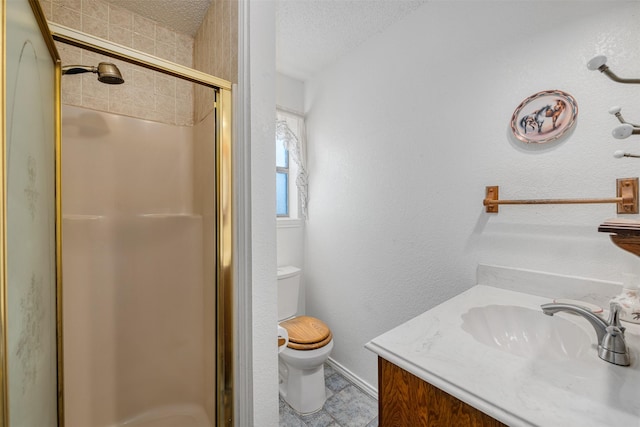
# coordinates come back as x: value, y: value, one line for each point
x: 288, y: 290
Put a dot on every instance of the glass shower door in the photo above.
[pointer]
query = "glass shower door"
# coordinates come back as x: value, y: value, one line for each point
x: 29, y: 380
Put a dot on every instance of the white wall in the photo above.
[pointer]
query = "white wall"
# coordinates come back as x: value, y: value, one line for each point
x: 406, y: 132
x: 289, y: 93
x: 261, y: 101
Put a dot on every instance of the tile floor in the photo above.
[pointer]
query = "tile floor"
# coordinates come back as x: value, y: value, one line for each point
x: 346, y: 406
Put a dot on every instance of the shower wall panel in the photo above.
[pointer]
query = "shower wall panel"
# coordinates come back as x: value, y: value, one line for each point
x: 120, y: 165
x: 133, y: 274
x: 133, y: 320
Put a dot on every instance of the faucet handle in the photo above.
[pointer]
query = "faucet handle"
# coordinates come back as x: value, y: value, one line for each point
x: 614, y: 316
x: 613, y: 347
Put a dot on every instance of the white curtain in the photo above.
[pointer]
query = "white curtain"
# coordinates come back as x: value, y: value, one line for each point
x: 290, y: 131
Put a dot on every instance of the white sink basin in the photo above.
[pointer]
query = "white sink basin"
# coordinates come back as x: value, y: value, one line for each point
x: 494, y: 349
x: 528, y: 333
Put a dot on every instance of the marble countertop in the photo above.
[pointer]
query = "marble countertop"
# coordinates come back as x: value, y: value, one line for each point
x: 518, y: 390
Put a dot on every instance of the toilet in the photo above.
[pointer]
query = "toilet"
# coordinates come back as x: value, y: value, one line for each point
x: 301, y: 362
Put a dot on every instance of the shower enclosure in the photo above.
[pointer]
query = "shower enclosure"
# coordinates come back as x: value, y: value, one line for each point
x: 146, y: 253
x: 115, y: 233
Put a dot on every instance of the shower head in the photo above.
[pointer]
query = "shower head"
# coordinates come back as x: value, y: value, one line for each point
x: 107, y: 72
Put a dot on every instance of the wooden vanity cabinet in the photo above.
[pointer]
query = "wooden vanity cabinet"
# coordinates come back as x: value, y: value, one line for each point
x: 405, y: 400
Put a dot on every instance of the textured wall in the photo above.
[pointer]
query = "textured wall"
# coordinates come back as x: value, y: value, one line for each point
x: 407, y: 130
x: 145, y: 94
x: 289, y: 93
x: 260, y: 106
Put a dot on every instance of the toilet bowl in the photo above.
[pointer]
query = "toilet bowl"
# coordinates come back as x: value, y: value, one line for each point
x: 302, y: 378
x: 301, y: 362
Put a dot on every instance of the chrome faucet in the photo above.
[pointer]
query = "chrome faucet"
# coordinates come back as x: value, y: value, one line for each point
x: 611, y: 345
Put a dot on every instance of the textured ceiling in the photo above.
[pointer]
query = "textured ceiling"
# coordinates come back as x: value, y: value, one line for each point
x: 311, y: 34
x: 183, y: 16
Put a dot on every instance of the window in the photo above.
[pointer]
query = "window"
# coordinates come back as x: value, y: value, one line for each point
x: 291, y: 176
x: 282, y: 179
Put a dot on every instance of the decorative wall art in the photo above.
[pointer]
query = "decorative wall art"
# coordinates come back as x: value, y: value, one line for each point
x: 544, y: 117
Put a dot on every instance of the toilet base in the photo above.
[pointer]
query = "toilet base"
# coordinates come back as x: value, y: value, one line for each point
x: 303, y: 389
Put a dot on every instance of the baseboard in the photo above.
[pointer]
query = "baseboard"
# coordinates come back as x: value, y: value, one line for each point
x: 356, y: 380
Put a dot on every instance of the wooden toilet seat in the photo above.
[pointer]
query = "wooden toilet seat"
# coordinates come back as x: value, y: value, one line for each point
x: 307, y: 333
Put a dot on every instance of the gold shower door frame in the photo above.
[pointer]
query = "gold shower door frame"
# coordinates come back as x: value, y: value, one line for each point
x: 224, y: 223
x: 224, y: 214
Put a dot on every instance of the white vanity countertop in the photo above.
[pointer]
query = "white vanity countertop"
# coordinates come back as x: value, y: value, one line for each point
x: 515, y: 389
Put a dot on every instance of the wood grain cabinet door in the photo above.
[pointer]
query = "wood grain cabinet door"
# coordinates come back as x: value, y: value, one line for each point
x: 407, y: 401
